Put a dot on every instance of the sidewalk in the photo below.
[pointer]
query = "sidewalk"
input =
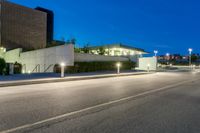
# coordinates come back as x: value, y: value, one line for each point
x: 26, y: 79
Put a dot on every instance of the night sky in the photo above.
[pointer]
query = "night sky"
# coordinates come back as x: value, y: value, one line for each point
x: 165, y: 25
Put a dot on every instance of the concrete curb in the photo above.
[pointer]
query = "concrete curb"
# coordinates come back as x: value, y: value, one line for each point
x: 42, y: 81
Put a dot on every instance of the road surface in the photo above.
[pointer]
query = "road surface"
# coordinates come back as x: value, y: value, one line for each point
x: 155, y: 103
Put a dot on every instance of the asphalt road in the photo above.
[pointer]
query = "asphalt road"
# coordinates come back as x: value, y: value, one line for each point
x: 155, y: 103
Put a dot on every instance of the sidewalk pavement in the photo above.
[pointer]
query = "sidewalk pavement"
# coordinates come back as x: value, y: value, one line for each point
x: 25, y: 79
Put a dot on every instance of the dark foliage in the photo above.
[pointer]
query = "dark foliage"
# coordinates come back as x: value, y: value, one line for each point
x: 95, y: 66
x: 2, y: 66
x: 17, y: 68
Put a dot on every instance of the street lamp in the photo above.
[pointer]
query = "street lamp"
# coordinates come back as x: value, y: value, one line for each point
x: 62, y: 69
x: 118, y: 68
x: 190, y: 56
x: 167, y: 54
x: 155, y: 52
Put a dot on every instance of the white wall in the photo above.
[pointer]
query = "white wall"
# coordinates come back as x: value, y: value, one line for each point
x: 42, y: 58
x: 82, y: 57
x: 13, y: 56
x: 147, y: 62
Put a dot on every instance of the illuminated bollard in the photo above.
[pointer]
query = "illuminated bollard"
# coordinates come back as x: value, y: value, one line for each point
x: 118, y: 68
x: 62, y: 70
x: 190, y: 56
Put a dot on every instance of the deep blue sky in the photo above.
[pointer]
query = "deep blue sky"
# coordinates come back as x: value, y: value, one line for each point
x: 166, y: 25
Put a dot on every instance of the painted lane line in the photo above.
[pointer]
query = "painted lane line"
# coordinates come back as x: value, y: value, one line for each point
x: 52, y: 120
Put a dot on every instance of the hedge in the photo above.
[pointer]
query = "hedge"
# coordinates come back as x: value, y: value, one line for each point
x: 2, y: 66
x: 94, y: 66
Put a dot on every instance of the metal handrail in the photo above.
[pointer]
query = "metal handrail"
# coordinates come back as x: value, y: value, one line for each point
x: 48, y: 68
x: 36, y: 68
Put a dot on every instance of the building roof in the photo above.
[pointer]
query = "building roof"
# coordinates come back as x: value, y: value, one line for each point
x: 118, y: 45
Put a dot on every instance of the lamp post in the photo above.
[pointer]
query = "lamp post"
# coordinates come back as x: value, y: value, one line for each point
x: 167, y: 54
x: 62, y: 70
x: 190, y: 56
x: 155, y: 52
x: 118, y: 68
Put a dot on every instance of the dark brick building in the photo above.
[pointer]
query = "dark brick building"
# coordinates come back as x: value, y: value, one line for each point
x: 50, y: 23
x: 22, y: 27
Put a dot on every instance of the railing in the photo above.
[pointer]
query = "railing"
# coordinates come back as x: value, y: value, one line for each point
x: 45, y: 70
x: 36, y: 69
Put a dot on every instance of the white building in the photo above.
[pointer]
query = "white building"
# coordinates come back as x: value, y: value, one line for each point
x: 118, y: 50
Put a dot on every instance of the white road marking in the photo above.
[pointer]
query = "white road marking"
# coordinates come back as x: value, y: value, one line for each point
x: 64, y: 116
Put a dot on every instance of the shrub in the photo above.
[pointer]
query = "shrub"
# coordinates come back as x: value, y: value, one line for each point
x: 2, y: 66
x: 95, y: 66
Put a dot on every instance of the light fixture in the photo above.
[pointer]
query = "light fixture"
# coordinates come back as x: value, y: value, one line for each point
x: 190, y: 50
x: 23, y: 71
x: 118, y: 67
x: 29, y: 72
x: 190, y: 56
x: 167, y: 54
x: 3, y: 49
x: 155, y: 52
x: 62, y: 64
x: 118, y: 64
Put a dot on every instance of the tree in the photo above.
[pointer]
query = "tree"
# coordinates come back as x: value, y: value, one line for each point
x: 73, y: 41
x: 77, y: 50
x: 86, y: 48
x: 2, y: 66
x: 101, y: 51
x: 194, y: 58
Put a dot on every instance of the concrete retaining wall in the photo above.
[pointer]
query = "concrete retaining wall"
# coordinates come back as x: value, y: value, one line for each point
x: 42, y: 60
x: 13, y: 55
